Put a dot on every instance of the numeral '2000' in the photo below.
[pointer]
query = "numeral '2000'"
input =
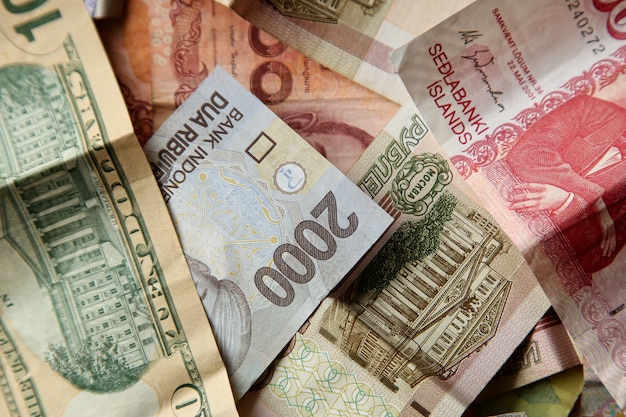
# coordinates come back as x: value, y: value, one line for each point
x: 304, y: 252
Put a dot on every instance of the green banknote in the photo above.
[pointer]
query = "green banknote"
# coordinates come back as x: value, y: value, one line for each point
x: 98, y: 312
x: 267, y: 224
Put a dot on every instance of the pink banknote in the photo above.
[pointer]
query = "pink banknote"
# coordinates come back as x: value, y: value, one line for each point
x: 528, y: 99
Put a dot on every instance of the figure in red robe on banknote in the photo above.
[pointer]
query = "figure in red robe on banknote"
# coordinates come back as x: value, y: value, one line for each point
x: 572, y: 165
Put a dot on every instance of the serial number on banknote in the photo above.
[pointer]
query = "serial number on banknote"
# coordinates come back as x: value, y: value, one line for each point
x: 586, y: 30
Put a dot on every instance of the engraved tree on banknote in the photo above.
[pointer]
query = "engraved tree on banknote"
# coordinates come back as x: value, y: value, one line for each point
x: 58, y: 220
x: 444, y: 299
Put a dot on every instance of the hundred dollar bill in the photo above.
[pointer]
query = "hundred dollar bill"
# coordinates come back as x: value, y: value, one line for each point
x: 268, y: 225
x: 352, y: 37
x: 528, y: 99
x: 335, y: 115
x: 423, y: 323
x: 98, y: 312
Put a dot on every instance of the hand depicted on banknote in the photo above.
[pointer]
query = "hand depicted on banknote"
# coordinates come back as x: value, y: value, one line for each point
x: 609, y: 239
x: 532, y: 197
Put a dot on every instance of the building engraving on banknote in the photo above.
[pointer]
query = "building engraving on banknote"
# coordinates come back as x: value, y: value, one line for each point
x: 551, y: 163
x: 421, y: 317
x: 69, y: 213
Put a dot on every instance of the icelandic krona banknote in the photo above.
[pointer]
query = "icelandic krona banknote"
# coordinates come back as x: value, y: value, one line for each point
x: 528, y: 100
x: 268, y: 225
x: 98, y: 312
x: 423, y: 323
x: 352, y: 37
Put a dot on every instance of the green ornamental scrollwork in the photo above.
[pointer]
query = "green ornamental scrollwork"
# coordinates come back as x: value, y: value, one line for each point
x: 418, y: 182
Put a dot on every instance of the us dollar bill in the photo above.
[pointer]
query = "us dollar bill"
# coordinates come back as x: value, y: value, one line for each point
x: 98, y: 311
x: 267, y: 224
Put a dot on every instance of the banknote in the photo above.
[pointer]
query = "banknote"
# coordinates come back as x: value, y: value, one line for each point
x: 546, y: 351
x: 533, y: 116
x: 127, y: 44
x: 268, y: 225
x: 352, y: 37
x: 104, y: 9
x: 423, y: 323
x: 338, y: 117
x: 595, y: 400
x: 554, y: 396
x: 98, y: 311
x: 514, y: 414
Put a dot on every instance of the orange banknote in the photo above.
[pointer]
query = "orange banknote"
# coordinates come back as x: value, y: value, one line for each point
x: 337, y: 116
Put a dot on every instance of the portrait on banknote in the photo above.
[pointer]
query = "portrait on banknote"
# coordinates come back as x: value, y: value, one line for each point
x: 534, y: 120
x: 570, y: 164
x: 226, y: 305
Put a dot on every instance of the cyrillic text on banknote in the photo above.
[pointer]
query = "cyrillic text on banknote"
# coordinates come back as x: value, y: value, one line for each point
x: 551, y: 162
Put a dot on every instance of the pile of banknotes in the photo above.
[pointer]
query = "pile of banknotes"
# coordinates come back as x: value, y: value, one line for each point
x: 302, y: 208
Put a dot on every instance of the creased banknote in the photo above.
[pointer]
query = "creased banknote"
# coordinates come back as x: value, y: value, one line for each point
x: 422, y: 326
x: 546, y: 351
x: 352, y: 37
x: 98, y: 312
x: 268, y: 225
x: 335, y: 115
x: 554, y: 396
x: 528, y: 99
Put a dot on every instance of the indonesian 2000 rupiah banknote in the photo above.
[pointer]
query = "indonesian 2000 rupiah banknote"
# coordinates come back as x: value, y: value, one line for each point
x: 352, y: 37
x: 335, y: 115
x: 528, y: 100
x: 420, y: 327
x: 267, y: 224
x: 98, y: 312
